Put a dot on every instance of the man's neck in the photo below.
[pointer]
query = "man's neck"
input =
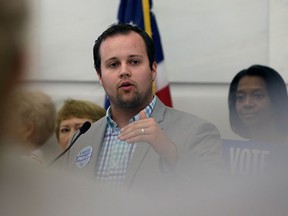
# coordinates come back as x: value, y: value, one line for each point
x: 122, y: 115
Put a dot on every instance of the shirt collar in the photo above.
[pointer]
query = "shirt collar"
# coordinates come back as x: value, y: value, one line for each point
x: 148, y: 110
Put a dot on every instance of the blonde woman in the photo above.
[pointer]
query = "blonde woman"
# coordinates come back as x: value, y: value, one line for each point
x: 72, y: 115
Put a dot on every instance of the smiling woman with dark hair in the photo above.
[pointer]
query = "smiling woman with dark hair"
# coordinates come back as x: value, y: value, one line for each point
x: 258, y: 104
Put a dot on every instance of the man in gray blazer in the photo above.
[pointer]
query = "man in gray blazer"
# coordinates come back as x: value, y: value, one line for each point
x: 140, y: 139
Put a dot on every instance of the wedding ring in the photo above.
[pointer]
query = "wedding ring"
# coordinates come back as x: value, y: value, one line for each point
x: 142, y: 130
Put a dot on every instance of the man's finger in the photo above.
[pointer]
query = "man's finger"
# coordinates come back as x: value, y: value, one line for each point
x: 143, y: 115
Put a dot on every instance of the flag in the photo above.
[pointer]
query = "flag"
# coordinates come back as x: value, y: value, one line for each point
x: 138, y: 12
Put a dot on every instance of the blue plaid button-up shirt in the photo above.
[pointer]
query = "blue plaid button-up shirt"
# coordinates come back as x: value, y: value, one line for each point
x: 116, y: 154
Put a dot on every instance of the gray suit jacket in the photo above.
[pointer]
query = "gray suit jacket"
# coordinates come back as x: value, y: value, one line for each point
x: 198, y: 144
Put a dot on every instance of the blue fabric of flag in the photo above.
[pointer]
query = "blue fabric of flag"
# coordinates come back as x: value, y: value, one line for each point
x: 131, y: 11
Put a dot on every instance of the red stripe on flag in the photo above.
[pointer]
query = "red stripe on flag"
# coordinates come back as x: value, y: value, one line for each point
x: 165, y: 96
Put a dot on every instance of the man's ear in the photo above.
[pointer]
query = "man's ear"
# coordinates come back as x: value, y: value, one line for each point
x: 154, y: 70
x: 99, y: 77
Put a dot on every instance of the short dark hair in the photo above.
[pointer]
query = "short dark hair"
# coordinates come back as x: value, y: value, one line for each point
x: 277, y: 91
x: 122, y: 29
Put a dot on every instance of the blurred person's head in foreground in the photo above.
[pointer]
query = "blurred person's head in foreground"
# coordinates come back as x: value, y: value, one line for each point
x: 13, y: 36
x: 13, y: 45
x: 71, y: 117
x: 258, y: 104
x: 31, y: 116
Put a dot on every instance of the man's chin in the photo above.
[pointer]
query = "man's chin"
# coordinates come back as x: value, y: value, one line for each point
x: 129, y: 102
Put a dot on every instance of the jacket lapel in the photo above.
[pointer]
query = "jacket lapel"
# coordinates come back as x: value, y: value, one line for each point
x: 136, y: 162
x: 142, y: 148
x: 95, y: 139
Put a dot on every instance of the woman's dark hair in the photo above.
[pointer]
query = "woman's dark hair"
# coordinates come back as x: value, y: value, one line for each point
x: 122, y: 29
x: 277, y: 90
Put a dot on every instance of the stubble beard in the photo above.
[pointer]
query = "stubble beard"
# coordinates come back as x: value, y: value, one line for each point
x: 137, y: 100
x: 130, y: 103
